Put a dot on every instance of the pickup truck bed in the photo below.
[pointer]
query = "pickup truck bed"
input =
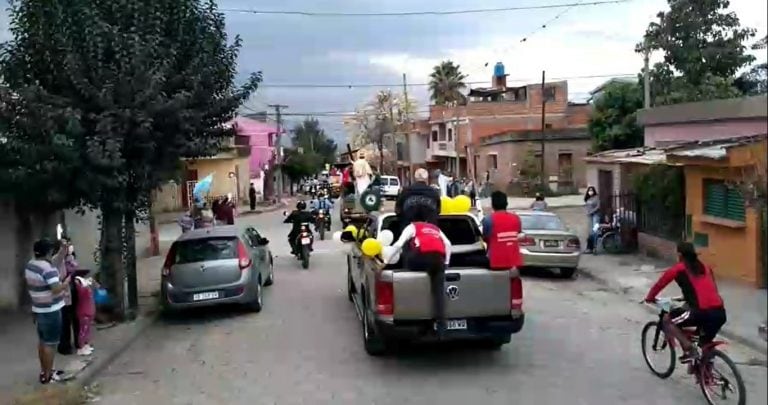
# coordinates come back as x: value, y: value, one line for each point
x: 395, y: 304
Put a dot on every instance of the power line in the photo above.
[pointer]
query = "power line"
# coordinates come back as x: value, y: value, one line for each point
x: 368, y: 85
x: 418, y: 13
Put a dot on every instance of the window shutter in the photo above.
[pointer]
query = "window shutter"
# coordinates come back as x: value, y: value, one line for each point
x: 715, y: 199
x: 735, y: 206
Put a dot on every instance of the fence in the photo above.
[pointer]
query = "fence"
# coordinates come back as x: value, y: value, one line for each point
x: 658, y: 219
x: 622, y: 209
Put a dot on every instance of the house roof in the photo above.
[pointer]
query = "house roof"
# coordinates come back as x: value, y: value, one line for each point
x: 733, y: 108
x: 610, y: 81
x: 643, y: 155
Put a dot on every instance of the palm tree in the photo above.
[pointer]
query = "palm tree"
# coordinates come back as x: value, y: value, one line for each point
x: 446, y: 83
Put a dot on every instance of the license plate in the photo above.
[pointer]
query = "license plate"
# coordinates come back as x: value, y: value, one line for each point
x: 551, y: 243
x: 305, y: 241
x: 205, y: 296
x: 456, y: 324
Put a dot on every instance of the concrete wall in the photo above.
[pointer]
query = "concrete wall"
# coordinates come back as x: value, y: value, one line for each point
x: 417, y: 148
x: 221, y: 168
x: 658, y: 135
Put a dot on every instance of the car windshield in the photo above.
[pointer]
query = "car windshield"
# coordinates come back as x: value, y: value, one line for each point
x: 202, y: 250
x: 394, y: 182
x: 541, y: 223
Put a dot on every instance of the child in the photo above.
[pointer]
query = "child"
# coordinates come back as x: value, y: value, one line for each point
x: 86, y: 311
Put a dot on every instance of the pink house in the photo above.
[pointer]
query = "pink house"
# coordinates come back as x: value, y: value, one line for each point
x: 262, y: 141
x: 704, y: 121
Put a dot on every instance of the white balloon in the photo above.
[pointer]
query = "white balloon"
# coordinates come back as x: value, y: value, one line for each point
x: 386, y: 237
x: 336, y: 236
x: 390, y: 254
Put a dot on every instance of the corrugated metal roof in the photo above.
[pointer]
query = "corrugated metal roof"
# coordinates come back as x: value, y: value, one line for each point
x: 710, y: 152
x: 636, y: 155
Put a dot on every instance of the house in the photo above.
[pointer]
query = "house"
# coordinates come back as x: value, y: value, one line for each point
x: 721, y: 220
x: 500, y: 127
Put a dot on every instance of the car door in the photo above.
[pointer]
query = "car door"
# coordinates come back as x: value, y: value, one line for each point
x: 259, y: 253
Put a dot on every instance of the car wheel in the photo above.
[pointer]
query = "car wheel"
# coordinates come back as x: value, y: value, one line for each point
x: 258, y: 302
x: 271, y: 278
x: 374, y: 345
x: 567, y: 272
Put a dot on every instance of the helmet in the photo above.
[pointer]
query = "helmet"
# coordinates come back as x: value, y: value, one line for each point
x: 301, y: 205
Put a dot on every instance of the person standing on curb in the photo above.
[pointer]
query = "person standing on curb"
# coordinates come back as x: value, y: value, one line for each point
x: 46, y: 290
x: 252, y: 197
x: 592, y: 206
x: 70, y: 327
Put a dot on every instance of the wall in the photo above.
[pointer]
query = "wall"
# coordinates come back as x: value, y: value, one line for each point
x: 417, y: 148
x: 592, y: 176
x: 702, y: 131
x: 733, y: 248
x: 221, y: 168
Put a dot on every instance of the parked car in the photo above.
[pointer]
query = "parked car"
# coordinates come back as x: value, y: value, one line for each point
x: 390, y: 187
x: 218, y: 265
x: 395, y: 305
x: 548, y: 243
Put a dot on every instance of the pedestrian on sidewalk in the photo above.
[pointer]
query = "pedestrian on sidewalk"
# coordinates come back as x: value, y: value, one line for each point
x: 46, y: 290
x: 227, y: 211
x: 252, y: 197
x: 86, y: 312
x: 64, y: 261
x: 187, y: 221
x: 592, y: 207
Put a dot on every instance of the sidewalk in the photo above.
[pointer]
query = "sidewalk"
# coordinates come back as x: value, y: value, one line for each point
x: 633, y: 276
x: 163, y: 218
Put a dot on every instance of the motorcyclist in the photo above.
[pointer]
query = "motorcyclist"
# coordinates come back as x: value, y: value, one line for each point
x: 297, y: 217
x: 321, y: 202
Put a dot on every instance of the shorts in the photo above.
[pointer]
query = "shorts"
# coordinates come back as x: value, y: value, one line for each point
x: 708, y: 322
x: 49, y: 326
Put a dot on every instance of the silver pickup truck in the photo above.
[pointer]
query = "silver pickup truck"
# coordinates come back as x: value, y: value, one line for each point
x: 394, y: 304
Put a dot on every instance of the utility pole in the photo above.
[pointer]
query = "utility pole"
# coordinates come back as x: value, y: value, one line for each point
x: 407, y: 129
x: 543, y: 124
x: 279, y: 150
x: 646, y: 75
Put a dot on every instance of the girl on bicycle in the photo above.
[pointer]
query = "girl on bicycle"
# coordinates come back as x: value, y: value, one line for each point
x: 705, y: 309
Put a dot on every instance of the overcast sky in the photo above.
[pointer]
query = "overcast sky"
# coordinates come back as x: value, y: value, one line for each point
x: 588, y: 40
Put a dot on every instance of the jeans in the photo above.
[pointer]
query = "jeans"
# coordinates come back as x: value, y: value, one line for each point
x: 434, y: 265
x: 592, y: 235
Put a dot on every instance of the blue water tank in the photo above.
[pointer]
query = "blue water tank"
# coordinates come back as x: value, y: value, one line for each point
x: 498, y: 70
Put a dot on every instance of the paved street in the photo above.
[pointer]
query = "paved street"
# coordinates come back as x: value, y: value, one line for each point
x: 580, y: 345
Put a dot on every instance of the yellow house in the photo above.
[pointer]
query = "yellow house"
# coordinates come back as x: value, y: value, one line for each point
x: 722, y: 219
x: 231, y: 175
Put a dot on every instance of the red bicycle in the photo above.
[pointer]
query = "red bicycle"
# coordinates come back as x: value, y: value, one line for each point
x: 716, y: 385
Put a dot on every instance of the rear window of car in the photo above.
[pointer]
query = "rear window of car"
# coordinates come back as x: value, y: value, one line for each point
x: 460, y: 230
x: 541, y: 223
x: 203, y: 250
x: 394, y: 182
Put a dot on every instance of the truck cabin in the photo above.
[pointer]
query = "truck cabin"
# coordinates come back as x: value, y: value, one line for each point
x: 467, y: 247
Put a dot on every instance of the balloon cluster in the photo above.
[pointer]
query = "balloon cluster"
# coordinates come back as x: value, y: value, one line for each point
x: 459, y: 205
x: 370, y: 247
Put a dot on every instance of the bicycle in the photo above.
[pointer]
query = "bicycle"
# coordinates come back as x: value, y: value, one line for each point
x: 702, y: 367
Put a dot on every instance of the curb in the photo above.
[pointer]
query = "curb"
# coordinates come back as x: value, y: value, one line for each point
x: 240, y: 213
x: 752, y: 343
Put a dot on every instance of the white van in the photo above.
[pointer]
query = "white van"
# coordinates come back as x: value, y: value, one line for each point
x: 390, y: 187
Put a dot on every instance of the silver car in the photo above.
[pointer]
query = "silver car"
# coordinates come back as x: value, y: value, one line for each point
x: 218, y: 265
x: 548, y: 243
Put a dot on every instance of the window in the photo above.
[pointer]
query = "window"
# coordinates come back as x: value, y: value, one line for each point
x: 434, y: 136
x: 548, y: 126
x: 493, y: 162
x: 441, y: 134
x: 450, y: 134
x: 203, y: 250
x: 723, y: 201
x: 549, y: 93
x: 541, y: 222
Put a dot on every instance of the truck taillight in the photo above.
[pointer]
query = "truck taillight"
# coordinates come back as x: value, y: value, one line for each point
x: 515, y: 293
x: 573, y: 243
x: 244, y: 260
x: 526, y: 241
x: 170, y: 259
x: 385, y: 297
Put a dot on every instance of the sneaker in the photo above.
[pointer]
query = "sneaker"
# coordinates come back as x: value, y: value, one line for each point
x: 84, y: 351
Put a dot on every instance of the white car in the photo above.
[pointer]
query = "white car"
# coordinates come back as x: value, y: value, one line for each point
x: 390, y: 187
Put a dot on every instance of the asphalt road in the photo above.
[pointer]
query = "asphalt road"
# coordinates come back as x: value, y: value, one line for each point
x: 580, y: 345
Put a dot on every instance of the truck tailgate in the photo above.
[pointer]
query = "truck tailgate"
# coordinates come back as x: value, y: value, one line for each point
x: 468, y: 292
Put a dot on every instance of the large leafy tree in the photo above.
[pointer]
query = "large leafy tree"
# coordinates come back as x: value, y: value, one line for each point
x: 703, y: 47
x: 613, y: 122
x: 446, y: 83
x: 130, y: 89
x: 310, y: 137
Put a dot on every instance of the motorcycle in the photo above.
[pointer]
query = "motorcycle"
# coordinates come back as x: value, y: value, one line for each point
x: 303, y: 245
x: 322, y: 222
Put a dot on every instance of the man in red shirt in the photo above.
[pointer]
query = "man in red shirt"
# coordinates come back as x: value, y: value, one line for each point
x: 500, y: 231
x: 705, y: 306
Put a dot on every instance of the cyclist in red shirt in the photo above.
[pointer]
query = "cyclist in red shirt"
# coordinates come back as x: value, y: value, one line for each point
x: 705, y: 311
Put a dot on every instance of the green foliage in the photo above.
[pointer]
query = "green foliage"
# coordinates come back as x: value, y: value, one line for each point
x: 613, y: 123
x: 311, y: 138
x: 703, y: 48
x: 446, y: 83
x: 754, y: 81
x: 662, y: 188
x: 300, y: 165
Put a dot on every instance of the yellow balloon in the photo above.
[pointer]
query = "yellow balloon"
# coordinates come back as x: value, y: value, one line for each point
x: 371, y: 247
x: 351, y: 228
x: 461, y: 204
x: 446, y: 205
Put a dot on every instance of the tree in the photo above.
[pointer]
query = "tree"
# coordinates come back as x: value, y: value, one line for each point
x: 446, y: 83
x: 754, y: 81
x: 299, y: 165
x: 311, y: 138
x: 703, y: 48
x: 613, y: 122
x: 133, y: 89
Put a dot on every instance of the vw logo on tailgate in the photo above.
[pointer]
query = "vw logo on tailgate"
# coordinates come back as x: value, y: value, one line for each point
x: 452, y: 292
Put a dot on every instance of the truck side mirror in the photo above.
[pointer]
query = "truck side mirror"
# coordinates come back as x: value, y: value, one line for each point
x: 347, y: 236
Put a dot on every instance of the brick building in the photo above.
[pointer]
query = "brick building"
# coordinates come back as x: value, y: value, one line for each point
x: 500, y: 127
